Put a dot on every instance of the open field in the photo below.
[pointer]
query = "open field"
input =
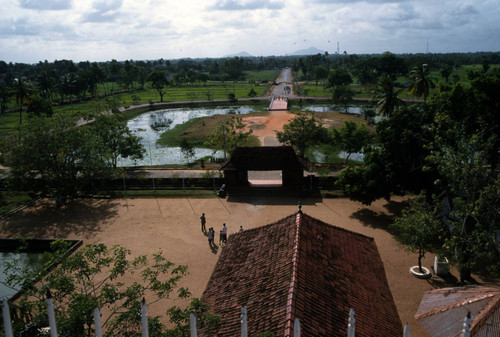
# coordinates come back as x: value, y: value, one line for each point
x: 172, y: 225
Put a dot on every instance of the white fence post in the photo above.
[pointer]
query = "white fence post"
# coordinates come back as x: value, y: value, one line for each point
x: 467, y: 322
x: 97, y: 322
x: 7, y: 323
x: 244, y: 323
x: 192, y: 325
x: 144, y: 318
x: 351, y: 328
x: 51, y: 314
x: 296, y: 328
x: 407, y: 331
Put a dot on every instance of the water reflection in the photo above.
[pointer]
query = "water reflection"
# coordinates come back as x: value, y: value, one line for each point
x: 31, y: 261
x: 152, y: 124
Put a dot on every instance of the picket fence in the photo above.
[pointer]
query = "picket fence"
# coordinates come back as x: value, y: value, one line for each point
x: 351, y: 327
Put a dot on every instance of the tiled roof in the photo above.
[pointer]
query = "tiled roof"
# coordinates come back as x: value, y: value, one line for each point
x: 302, y: 267
x: 442, y: 311
x: 256, y: 158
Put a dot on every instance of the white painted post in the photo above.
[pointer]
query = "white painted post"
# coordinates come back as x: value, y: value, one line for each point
x: 407, y: 331
x: 467, y: 322
x: 244, y: 323
x: 351, y: 327
x: 7, y: 323
x: 97, y: 323
x: 52, y: 314
x: 144, y: 318
x: 192, y: 325
x: 296, y: 328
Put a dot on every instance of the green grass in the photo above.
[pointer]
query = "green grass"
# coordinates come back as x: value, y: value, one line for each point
x: 173, y: 137
x: 197, y: 130
x: 262, y: 75
x: 10, y: 200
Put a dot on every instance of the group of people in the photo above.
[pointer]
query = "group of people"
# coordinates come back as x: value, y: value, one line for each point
x: 211, y: 232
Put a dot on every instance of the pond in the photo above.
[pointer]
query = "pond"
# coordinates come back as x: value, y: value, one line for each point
x: 27, y: 260
x: 355, y: 109
x: 149, y: 126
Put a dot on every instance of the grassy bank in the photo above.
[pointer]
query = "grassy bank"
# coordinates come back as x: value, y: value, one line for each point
x: 196, y: 132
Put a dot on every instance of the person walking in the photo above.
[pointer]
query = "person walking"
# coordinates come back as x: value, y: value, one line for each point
x: 210, y: 236
x: 224, y: 233
x: 203, y: 222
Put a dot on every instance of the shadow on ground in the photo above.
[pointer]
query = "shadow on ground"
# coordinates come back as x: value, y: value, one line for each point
x: 44, y: 220
x: 254, y: 199
x: 373, y: 219
x: 396, y: 207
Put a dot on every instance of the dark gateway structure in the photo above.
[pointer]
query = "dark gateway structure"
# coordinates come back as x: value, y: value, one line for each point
x: 264, y: 158
x: 300, y: 267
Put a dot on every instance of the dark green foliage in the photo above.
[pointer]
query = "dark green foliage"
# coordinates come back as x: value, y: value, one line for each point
x: 100, y: 277
x: 420, y: 228
x: 421, y: 81
x: 158, y: 81
x: 54, y: 155
x: 386, y: 97
x: 39, y: 106
x: 395, y: 163
x: 302, y: 132
x: 228, y: 135
x: 338, y: 77
x: 351, y: 138
x: 187, y: 149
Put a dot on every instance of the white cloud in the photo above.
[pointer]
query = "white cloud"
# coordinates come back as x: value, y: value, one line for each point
x: 103, y: 11
x: 33, y: 30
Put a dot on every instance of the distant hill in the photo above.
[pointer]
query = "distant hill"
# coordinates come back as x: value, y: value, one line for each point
x: 308, y: 51
x: 240, y: 54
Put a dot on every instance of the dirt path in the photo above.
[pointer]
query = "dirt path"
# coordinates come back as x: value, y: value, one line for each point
x: 265, y: 127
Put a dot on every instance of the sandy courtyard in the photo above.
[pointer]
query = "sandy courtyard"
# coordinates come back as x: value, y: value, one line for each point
x: 173, y: 225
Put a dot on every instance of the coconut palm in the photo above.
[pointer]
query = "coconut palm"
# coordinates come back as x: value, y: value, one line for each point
x: 421, y: 81
x: 387, y: 100
x: 23, y: 89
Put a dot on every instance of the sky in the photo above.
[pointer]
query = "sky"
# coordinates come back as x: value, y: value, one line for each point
x: 101, y: 30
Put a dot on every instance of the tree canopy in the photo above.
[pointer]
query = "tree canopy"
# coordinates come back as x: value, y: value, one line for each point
x: 107, y: 278
x: 303, y: 131
x: 54, y: 155
x: 229, y: 134
x: 448, y: 150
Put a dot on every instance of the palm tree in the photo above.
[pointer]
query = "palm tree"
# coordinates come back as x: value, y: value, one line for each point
x: 4, y: 99
x: 386, y: 97
x: 23, y: 89
x: 421, y: 82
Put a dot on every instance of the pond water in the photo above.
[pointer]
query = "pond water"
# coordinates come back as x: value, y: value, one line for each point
x: 320, y: 157
x: 26, y: 260
x: 149, y: 126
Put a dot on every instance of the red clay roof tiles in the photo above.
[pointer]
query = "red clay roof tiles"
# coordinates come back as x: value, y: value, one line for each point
x: 302, y: 267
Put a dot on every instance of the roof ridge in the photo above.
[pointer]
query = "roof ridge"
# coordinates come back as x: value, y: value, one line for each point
x: 292, y: 290
x: 464, y: 302
x: 484, y: 314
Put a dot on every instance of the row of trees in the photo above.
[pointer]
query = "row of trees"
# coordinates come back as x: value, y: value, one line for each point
x: 55, y: 156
